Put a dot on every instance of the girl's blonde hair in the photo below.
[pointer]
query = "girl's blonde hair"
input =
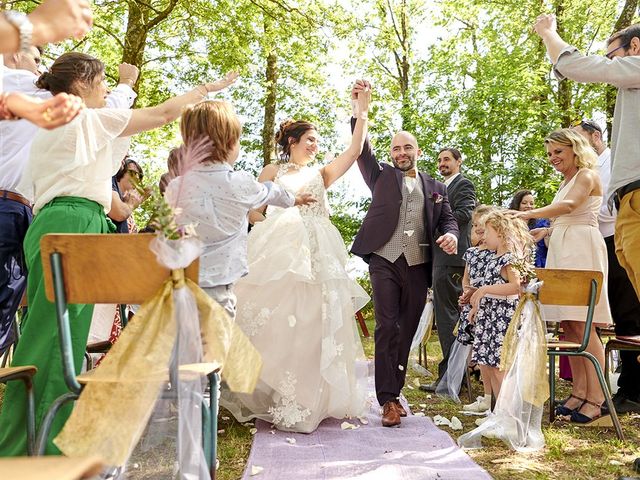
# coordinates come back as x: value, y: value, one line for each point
x: 478, y: 214
x: 215, y: 120
x: 585, y: 156
x: 513, y: 230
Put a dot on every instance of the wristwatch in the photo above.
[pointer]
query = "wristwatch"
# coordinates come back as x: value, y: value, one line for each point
x: 24, y: 26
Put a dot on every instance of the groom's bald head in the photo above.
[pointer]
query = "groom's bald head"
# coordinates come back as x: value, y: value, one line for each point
x: 404, y: 150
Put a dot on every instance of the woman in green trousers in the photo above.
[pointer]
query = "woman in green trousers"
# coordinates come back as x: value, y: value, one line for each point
x: 69, y: 177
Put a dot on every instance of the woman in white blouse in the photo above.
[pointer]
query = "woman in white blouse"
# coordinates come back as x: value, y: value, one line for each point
x: 69, y: 179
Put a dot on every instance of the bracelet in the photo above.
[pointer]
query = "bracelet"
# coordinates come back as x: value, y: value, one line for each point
x: 363, y: 115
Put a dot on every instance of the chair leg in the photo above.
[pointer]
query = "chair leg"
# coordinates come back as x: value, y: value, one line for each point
x: 607, y: 352
x: 31, y: 417
x: 607, y: 394
x: 467, y: 379
x: 214, y: 380
x: 552, y: 388
x: 45, y: 427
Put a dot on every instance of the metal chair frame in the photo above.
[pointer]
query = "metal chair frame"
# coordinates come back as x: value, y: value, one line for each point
x: 56, y: 258
x: 578, y: 350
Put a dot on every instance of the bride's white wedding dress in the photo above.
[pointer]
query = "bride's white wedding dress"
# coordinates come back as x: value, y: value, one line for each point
x: 297, y: 306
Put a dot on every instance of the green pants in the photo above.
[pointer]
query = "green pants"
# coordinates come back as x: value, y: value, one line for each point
x: 39, y: 344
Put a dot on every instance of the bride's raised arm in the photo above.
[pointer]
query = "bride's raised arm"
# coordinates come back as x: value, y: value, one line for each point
x: 339, y: 166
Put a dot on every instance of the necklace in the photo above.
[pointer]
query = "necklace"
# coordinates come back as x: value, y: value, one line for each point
x: 292, y: 166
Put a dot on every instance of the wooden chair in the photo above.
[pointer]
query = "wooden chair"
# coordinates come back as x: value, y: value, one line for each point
x: 362, y: 323
x: 574, y: 288
x: 80, y: 269
x: 50, y: 468
x: 25, y: 374
x: 619, y: 343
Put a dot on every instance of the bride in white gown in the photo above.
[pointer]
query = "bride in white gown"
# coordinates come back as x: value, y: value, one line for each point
x: 297, y: 303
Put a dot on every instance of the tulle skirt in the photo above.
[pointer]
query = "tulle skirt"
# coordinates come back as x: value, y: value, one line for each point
x: 297, y: 305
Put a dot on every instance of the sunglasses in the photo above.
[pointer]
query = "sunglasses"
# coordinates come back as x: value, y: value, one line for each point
x: 587, y: 125
x: 609, y: 55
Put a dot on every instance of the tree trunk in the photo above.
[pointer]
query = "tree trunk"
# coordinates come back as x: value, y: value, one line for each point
x: 142, y: 18
x: 269, y: 126
x: 624, y: 20
x: 563, y: 98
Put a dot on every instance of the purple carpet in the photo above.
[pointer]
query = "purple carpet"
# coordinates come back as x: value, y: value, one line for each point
x: 416, y: 450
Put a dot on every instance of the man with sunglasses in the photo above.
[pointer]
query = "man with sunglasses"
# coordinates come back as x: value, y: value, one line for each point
x: 625, y: 307
x: 619, y: 67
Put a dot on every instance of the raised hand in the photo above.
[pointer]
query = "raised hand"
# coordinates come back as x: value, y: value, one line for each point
x: 48, y: 114
x: 545, y: 23
x: 363, y: 100
x: 229, y: 79
x: 304, y: 199
x: 358, y: 87
x: 128, y: 73
x: 55, y: 20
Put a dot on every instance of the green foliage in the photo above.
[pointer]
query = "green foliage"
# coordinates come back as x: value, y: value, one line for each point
x: 463, y: 73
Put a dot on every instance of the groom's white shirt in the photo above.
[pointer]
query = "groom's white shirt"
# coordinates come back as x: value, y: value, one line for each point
x: 218, y: 200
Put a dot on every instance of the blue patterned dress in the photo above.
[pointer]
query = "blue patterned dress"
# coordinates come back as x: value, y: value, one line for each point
x: 493, y: 317
x: 476, y: 260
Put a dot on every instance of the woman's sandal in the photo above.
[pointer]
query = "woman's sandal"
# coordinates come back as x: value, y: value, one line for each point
x: 603, y: 419
x: 561, y: 410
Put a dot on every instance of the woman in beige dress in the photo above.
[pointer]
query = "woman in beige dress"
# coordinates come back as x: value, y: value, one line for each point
x: 575, y: 243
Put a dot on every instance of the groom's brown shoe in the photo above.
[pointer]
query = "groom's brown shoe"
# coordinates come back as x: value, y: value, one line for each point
x: 390, y: 415
x: 401, y: 411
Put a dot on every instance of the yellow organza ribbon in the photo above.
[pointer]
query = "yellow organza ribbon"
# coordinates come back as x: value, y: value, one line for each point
x: 117, y: 401
x: 535, y: 388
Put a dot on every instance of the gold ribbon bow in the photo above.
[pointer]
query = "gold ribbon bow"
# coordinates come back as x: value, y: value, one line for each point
x: 535, y: 388
x: 118, y: 399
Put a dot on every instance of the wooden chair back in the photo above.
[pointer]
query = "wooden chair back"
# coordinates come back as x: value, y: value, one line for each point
x: 106, y: 268
x: 567, y: 287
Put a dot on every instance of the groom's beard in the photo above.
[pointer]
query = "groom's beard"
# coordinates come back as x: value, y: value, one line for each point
x: 404, y: 162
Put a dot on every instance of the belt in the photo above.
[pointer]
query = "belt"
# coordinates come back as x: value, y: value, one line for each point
x: 16, y: 197
x: 622, y: 191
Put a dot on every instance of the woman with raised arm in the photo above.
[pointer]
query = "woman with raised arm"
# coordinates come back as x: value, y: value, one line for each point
x: 69, y: 177
x: 297, y: 303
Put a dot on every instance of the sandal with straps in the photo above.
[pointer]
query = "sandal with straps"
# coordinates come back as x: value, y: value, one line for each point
x: 561, y: 410
x: 603, y: 419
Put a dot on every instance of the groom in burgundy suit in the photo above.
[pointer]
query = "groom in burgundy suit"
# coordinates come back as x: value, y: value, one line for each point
x: 397, y: 240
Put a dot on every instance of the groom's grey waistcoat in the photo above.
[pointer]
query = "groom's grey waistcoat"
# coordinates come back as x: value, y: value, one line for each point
x: 410, y: 231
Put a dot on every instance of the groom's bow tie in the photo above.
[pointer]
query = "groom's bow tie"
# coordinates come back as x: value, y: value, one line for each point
x: 410, y: 173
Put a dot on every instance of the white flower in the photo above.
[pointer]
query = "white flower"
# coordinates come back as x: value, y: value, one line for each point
x: 256, y: 470
x: 348, y: 426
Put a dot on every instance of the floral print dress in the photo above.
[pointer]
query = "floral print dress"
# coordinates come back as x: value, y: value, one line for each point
x: 494, y: 315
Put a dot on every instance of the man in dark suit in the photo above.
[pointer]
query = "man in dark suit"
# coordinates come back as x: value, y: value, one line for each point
x: 398, y: 239
x: 449, y: 269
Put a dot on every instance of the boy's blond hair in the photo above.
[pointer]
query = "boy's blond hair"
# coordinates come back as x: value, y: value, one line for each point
x: 215, y: 120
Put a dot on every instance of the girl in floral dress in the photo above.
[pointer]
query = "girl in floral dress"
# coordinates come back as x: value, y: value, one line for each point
x: 476, y: 259
x: 494, y: 303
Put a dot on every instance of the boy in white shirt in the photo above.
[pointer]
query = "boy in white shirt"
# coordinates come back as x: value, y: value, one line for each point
x: 218, y: 199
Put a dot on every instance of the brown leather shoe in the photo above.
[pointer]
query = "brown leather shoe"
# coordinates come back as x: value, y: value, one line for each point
x: 401, y: 411
x: 390, y: 415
